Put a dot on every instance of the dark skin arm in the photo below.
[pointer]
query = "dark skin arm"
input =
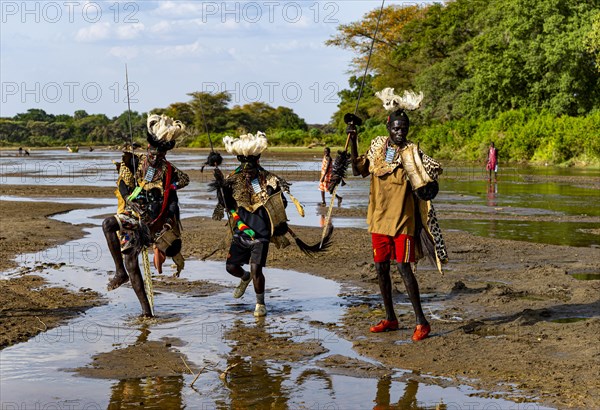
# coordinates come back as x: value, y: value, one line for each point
x: 353, y: 135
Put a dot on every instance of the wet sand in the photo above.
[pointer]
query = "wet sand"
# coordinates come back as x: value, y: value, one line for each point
x: 496, y: 314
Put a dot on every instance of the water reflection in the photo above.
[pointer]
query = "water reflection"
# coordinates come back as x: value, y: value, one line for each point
x: 492, y: 191
x: 147, y: 393
x: 254, y: 381
x: 408, y: 400
x: 153, y: 392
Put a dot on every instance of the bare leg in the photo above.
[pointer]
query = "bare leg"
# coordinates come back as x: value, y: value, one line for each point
x: 137, y: 282
x: 110, y: 227
x: 412, y: 289
x: 323, y: 198
x: 159, y: 259
x: 385, y: 287
x: 236, y: 270
x: 258, y: 278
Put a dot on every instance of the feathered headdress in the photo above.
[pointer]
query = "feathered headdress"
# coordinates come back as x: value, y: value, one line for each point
x: 409, y: 101
x: 246, y: 145
x: 163, y: 131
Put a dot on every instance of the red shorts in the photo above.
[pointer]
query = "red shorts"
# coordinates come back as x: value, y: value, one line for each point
x: 400, y: 247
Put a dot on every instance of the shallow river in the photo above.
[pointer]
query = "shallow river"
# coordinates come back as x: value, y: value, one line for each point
x: 35, y: 374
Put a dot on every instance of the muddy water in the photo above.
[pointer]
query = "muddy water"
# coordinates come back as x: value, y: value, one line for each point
x: 36, y: 374
x: 300, y: 306
x: 492, y: 209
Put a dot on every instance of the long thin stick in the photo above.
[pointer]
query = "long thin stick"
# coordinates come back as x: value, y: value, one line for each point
x: 130, y: 126
x: 362, y: 85
x: 216, y: 166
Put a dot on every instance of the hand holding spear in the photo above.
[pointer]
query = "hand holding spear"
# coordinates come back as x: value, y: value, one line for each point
x: 340, y: 164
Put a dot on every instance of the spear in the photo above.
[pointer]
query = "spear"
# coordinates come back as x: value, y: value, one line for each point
x: 340, y: 165
x: 214, y: 159
x: 129, y: 120
x: 147, y: 277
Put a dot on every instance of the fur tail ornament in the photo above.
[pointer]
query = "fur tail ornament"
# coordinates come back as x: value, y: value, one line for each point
x: 338, y: 170
x: 214, y: 159
x: 311, y: 250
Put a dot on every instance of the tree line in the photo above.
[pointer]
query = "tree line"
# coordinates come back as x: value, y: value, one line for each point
x: 204, y: 111
x: 490, y: 70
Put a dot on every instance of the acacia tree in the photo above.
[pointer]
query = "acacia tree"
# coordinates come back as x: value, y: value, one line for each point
x: 358, y: 37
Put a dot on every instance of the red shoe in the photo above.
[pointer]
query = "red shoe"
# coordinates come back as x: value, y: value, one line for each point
x: 384, y: 326
x: 421, y: 332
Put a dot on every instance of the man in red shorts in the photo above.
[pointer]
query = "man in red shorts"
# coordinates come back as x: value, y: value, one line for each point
x: 395, y: 216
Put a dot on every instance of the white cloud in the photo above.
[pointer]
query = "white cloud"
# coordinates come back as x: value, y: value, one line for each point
x: 129, y: 31
x: 105, y: 31
x: 162, y: 27
x: 178, y: 9
x: 94, y: 32
x: 124, y: 52
x: 181, y: 50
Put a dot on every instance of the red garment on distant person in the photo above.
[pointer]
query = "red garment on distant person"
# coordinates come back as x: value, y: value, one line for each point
x: 326, y: 172
x: 492, y: 159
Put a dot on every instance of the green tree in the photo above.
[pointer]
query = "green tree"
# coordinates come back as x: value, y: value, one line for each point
x: 213, y: 106
x: 180, y: 111
x: 34, y: 114
x: 532, y: 54
x: 79, y: 114
x: 286, y: 118
x: 592, y: 40
x: 476, y: 58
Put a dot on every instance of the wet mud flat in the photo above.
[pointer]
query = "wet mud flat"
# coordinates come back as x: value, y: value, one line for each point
x: 509, y: 317
x: 496, y: 314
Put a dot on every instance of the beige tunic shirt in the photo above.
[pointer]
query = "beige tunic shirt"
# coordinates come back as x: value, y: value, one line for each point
x: 391, y: 203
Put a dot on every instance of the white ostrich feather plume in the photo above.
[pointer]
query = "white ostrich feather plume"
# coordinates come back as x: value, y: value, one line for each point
x: 165, y: 128
x: 409, y: 101
x: 246, y: 144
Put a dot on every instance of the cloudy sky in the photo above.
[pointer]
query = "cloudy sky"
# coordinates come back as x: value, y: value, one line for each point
x: 63, y: 56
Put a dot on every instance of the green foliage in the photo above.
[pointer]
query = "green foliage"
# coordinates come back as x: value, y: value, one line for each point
x: 477, y: 59
x: 592, y: 40
x: 519, y: 135
x: 37, y: 128
x: 523, y: 73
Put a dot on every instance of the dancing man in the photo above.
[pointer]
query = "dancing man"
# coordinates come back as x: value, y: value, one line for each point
x: 148, y: 212
x: 253, y: 198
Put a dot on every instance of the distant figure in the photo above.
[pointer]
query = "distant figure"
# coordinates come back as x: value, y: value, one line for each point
x: 326, y: 172
x: 91, y: 148
x: 20, y: 151
x: 26, y: 152
x: 73, y: 149
x: 492, y: 162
